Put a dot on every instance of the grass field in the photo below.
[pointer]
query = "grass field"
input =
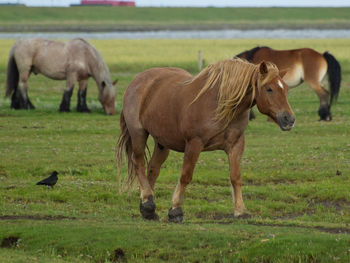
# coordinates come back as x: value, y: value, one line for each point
x: 295, y: 184
x: 20, y: 18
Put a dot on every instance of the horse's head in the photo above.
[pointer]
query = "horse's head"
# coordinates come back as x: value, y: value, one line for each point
x: 107, y: 96
x: 271, y: 96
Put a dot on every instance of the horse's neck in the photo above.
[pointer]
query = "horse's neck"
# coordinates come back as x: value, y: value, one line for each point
x: 97, y: 67
x: 99, y: 74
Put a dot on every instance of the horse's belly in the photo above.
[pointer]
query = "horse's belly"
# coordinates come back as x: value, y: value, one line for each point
x: 49, y: 67
x: 55, y: 75
x: 50, y: 72
x: 169, y: 139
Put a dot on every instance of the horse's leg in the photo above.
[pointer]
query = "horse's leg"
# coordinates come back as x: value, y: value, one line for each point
x: 16, y: 100
x: 192, y: 150
x: 147, y: 205
x: 323, y: 95
x: 234, y: 156
x: 160, y: 154
x: 67, y: 94
x: 19, y: 99
x: 82, y: 106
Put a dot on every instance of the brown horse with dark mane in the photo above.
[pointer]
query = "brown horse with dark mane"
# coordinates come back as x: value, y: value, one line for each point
x: 194, y: 114
x: 307, y: 65
x: 74, y: 61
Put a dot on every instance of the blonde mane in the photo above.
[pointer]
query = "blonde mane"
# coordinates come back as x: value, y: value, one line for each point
x: 235, y: 78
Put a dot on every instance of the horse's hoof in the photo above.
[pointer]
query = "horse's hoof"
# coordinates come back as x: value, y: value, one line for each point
x: 148, y: 209
x: 175, y: 215
x: 324, y: 114
x: 327, y: 118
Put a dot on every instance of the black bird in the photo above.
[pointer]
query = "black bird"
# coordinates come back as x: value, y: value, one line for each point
x: 49, y: 181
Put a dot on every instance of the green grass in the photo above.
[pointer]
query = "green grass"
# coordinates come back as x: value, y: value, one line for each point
x: 20, y: 18
x: 300, y: 206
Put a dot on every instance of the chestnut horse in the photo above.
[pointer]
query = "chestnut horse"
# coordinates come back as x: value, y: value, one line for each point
x: 73, y: 61
x: 307, y: 65
x: 194, y: 114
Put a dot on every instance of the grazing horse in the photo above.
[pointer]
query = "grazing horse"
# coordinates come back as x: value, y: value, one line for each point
x: 73, y: 61
x: 194, y: 114
x: 307, y: 65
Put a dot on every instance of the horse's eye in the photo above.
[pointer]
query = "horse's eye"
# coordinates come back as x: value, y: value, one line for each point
x: 269, y: 90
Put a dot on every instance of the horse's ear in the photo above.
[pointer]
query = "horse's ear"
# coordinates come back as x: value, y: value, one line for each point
x: 115, y: 82
x: 263, y: 68
x: 283, y: 72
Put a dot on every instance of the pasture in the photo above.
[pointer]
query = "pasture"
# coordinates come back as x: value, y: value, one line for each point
x: 295, y: 184
x: 92, y: 18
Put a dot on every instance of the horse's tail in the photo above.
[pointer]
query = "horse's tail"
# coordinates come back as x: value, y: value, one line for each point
x: 334, y: 76
x: 12, y: 75
x: 124, y: 144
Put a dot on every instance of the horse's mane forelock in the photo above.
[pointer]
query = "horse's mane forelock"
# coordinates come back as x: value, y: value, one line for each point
x: 234, y: 78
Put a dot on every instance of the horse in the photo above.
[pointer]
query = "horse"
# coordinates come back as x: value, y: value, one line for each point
x: 194, y: 114
x: 73, y: 61
x: 307, y: 65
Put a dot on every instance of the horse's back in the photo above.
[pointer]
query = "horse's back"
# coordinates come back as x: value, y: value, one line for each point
x: 153, y: 81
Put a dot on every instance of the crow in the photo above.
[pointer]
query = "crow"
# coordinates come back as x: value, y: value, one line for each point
x: 49, y: 181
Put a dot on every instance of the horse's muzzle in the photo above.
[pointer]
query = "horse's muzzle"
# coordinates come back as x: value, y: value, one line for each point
x: 285, y: 120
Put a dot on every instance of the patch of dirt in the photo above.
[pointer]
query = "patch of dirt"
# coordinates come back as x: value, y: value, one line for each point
x: 9, y: 242
x: 34, y: 217
x: 337, y: 230
x: 214, y: 216
x: 283, y: 181
x: 338, y: 205
x: 118, y: 255
x: 10, y: 187
x: 33, y: 127
x: 274, y: 181
x: 219, y: 217
x: 211, y: 200
x: 293, y: 215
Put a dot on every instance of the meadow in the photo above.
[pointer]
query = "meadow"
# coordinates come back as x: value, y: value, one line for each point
x: 97, y: 18
x: 295, y: 184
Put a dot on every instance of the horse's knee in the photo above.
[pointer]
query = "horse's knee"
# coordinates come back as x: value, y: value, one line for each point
x: 148, y: 209
x: 185, y: 179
